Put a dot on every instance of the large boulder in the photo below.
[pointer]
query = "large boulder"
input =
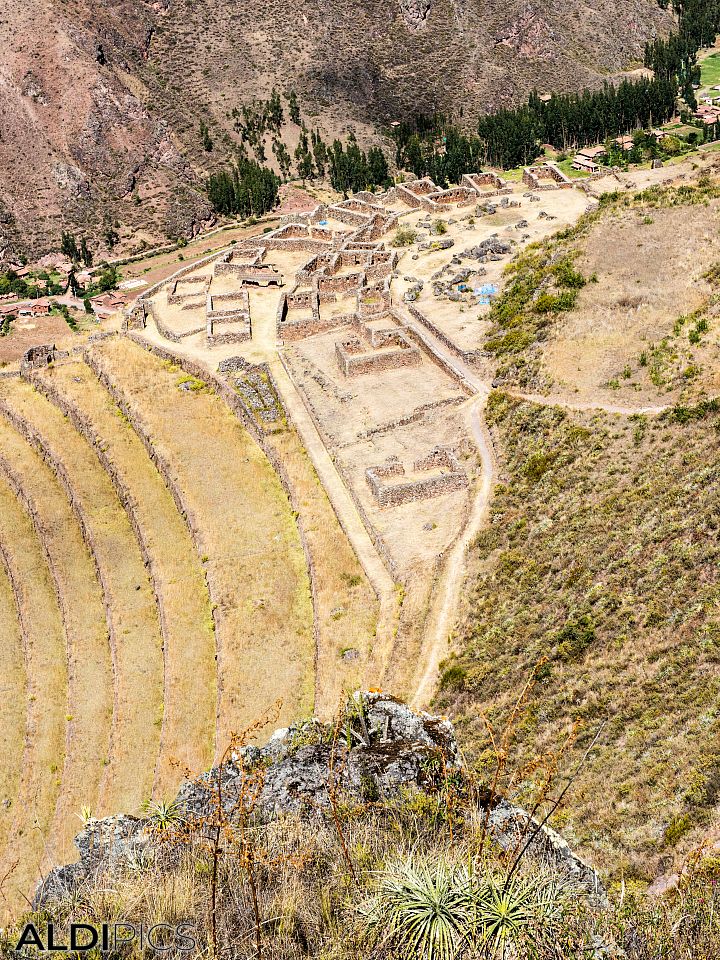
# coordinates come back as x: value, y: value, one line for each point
x: 380, y: 750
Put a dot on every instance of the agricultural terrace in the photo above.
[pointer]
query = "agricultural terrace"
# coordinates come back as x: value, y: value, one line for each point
x: 243, y: 529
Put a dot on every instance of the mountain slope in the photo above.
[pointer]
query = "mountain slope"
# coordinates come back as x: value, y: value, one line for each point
x: 102, y: 102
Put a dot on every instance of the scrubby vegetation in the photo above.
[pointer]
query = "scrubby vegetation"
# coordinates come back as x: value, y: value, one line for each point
x: 545, y: 281
x: 542, y: 282
x: 412, y: 877
x: 599, y: 570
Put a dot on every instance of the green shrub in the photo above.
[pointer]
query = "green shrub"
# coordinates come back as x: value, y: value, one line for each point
x: 574, y: 639
x: 404, y: 237
x: 453, y: 677
x: 680, y: 824
x: 555, y: 303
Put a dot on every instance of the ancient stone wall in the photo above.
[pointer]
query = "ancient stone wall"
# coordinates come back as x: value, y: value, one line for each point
x: 372, y: 302
x: 356, y: 356
x: 229, y: 336
x: 136, y: 317
x: 462, y: 196
x: 347, y: 284
x: 395, y: 494
x: 345, y: 215
x: 546, y: 176
x: 187, y: 288
x: 290, y: 326
x: 38, y: 357
x: 361, y: 205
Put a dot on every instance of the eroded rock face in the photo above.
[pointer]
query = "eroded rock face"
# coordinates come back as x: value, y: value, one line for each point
x: 415, y: 12
x: 392, y: 748
x: 381, y: 750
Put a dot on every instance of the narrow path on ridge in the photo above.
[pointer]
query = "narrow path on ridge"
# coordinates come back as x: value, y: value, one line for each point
x: 445, y: 606
x: 436, y: 645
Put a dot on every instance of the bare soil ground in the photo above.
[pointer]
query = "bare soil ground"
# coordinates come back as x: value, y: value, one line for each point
x: 189, y: 717
x: 254, y: 560
x: 27, y: 332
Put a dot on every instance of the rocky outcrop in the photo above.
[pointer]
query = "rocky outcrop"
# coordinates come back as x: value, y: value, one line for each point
x: 381, y: 750
x: 415, y: 12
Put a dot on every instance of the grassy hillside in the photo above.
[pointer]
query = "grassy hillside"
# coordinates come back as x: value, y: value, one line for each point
x: 599, y: 572
x: 589, y: 311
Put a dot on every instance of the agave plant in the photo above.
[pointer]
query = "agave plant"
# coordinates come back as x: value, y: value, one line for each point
x: 516, y: 915
x: 164, y: 815
x: 423, y: 910
x: 436, y: 910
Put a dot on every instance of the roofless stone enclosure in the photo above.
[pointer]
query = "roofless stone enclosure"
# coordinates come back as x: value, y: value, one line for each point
x: 231, y: 313
x: 486, y: 184
x: 187, y: 292
x: 546, y: 176
x: 37, y: 357
x: 391, y: 486
x: 373, y: 349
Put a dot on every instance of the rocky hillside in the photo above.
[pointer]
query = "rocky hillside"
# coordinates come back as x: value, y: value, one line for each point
x: 380, y: 753
x: 102, y: 102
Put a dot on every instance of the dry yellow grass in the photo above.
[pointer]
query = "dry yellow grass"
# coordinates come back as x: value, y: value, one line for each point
x: 188, y: 732
x: 13, y: 704
x: 246, y: 530
x: 45, y: 659
x: 88, y: 649
x: 634, y: 304
x: 135, y: 633
x: 346, y: 608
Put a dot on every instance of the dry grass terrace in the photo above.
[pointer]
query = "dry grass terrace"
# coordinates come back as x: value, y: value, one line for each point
x: 188, y: 732
x: 245, y: 528
x: 128, y: 595
x: 41, y: 766
x: 90, y: 681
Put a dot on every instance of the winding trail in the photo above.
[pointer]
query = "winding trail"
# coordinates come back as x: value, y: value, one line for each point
x: 435, y: 646
x: 437, y: 640
x: 585, y: 407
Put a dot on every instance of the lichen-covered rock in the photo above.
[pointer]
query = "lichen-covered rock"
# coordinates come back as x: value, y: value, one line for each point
x: 391, y: 748
x: 381, y: 749
x: 512, y: 827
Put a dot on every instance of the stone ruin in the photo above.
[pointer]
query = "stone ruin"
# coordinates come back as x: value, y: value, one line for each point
x: 298, y: 315
x: 38, y: 357
x: 546, y: 176
x: 425, y: 195
x: 392, y: 487
x: 248, y: 268
x: 231, y: 313
x: 188, y: 292
x: 371, y: 349
x: 486, y: 184
x: 135, y: 317
x: 258, y: 394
